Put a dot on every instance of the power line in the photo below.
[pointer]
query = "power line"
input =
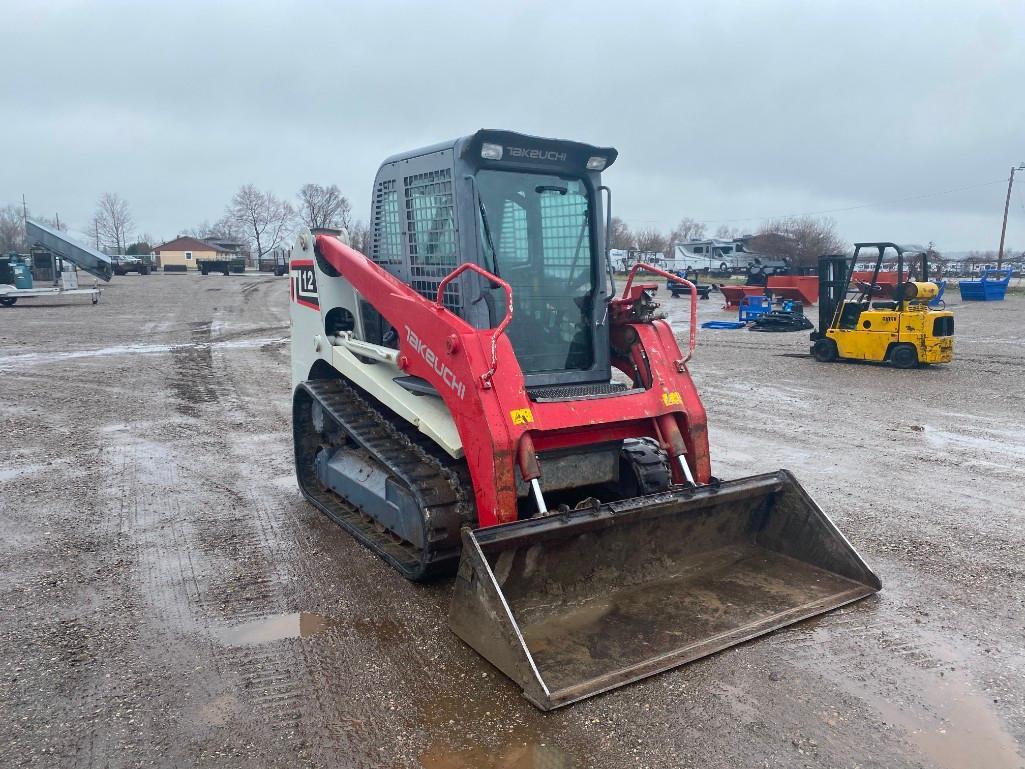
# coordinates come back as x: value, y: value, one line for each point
x: 846, y: 208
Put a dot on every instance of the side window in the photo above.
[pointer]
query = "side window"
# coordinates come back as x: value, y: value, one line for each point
x: 512, y: 245
x: 386, y: 245
x: 188, y: 254
x: 431, y: 233
x: 429, y: 219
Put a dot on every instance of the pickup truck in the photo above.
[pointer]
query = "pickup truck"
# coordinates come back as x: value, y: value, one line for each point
x: 124, y: 264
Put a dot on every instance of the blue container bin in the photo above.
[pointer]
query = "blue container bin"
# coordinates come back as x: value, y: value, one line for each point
x: 752, y: 307
x: 990, y: 288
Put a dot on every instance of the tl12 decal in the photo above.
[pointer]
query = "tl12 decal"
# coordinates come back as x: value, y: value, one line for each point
x: 304, y: 284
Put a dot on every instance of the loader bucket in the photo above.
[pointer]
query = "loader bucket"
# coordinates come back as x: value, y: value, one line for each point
x: 575, y: 604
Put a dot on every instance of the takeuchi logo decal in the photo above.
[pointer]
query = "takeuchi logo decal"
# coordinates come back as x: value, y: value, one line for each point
x: 536, y: 154
x: 448, y: 376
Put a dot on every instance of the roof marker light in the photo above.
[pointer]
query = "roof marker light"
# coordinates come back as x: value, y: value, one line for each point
x: 491, y: 151
x: 596, y: 163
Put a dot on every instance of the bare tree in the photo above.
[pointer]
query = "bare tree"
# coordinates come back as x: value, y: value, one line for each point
x: 12, y: 230
x: 801, y: 239
x: 725, y: 232
x: 266, y: 219
x: 650, y: 239
x: 359, y: 237
x: 321, y: 206
x: 687, y: 229
x: 113, y: 222
x: 225, y: 228
x: 620, y: 235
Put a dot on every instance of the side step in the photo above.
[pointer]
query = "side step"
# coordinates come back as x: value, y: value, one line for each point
x: 576, y: 604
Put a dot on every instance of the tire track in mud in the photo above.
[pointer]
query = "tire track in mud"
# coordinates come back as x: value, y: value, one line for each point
x: 204, y: 545
x: 242, y: 580
x: 357, y: 691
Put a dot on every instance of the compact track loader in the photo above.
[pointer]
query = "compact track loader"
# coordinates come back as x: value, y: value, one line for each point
x: 473, y: 396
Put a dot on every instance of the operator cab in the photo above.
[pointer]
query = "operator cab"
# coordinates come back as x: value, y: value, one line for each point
x: 526, y: 209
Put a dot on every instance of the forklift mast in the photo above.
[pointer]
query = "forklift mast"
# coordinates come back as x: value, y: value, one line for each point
x: 835, y: 272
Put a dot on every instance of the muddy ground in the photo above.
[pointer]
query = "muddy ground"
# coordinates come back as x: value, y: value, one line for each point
x: 169, y: 599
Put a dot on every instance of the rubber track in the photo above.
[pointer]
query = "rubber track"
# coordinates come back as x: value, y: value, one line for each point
x: 649, y: 464
x: 439, y: 483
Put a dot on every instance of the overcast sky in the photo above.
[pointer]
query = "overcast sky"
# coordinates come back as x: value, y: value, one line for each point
x: 721, y: 112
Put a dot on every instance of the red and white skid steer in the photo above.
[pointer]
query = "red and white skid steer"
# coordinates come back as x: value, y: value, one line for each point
x: 474, y: 396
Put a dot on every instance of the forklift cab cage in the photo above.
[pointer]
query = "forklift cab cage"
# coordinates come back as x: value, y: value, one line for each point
x: 836, y: 273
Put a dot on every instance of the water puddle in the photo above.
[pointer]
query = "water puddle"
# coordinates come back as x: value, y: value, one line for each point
x: 1002, y: 449
x: 921, y: 688
x: 502, y: 737
x: 957, y: 730
x: 516, y: 755
x: 7, y: 474
x: 945, y: 438
x: 33, y: 358
x: 274, y: 628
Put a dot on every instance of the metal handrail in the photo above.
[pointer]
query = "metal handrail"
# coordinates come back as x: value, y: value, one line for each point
x: 486, y: 377
x: 693, y: 300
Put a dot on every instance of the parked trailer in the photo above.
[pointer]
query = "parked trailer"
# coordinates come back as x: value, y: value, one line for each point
x: 16, y: 282
x: 223, y: 266
x: 65, y: 257
x: 276, y: 261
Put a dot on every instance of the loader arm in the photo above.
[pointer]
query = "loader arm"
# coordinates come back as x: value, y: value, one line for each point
x: 477, y: 374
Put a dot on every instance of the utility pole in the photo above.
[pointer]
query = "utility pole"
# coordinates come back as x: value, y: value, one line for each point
x: 1007, y: 205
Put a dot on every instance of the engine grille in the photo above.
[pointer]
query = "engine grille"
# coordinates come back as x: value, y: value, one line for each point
x: 575, y: 392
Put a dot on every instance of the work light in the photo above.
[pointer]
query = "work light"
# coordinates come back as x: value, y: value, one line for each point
x: 491, y: 151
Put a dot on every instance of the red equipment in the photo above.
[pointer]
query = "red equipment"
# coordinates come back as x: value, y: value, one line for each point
x: 497, y: 420
x: 521, y: 420
x: 802, y: 288
x: 733, y: 294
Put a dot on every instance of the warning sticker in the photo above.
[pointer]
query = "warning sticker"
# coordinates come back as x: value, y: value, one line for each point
x: 672, y: 399
x: 521, y: 416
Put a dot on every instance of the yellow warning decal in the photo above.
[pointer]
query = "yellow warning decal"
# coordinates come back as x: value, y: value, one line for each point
x: 521, y: 416
x: 672, y: 399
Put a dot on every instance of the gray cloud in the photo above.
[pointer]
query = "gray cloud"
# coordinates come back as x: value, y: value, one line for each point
x: 720, y: 111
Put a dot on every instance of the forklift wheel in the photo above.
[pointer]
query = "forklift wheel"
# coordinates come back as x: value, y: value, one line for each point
x: 904, y: 356
x: 8, y: 301
x: 824, y: 350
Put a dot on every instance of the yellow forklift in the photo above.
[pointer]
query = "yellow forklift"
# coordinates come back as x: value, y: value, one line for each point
x: 880, y: 319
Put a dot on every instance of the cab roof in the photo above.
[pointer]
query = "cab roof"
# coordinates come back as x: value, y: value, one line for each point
x: 469, y: 146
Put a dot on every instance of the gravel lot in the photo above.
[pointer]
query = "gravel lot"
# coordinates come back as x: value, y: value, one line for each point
x: 170, y: 600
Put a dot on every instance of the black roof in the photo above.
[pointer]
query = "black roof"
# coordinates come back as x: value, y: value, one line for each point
x: 471, y: 145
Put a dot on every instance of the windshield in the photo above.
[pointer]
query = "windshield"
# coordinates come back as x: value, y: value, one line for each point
x: 540, y: 243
